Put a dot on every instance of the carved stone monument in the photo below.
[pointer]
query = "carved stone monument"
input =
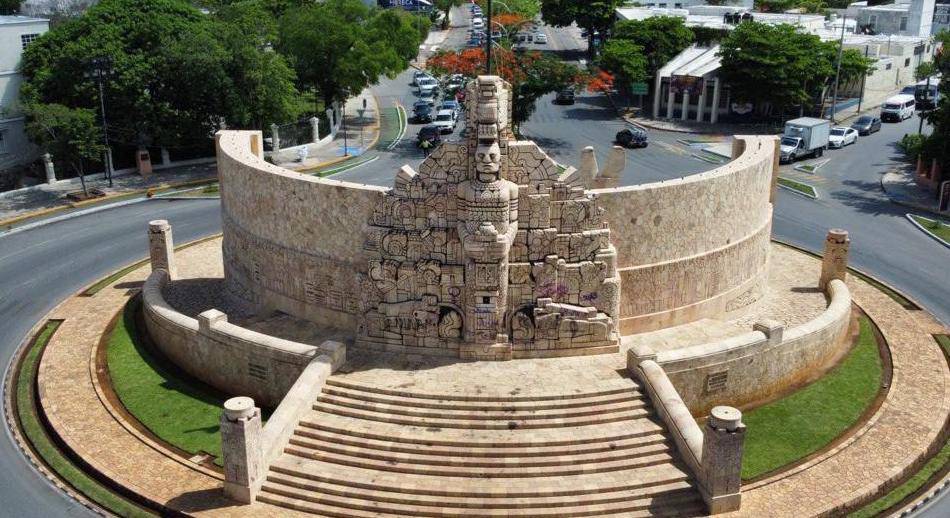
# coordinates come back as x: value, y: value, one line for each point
x: 489, y: 251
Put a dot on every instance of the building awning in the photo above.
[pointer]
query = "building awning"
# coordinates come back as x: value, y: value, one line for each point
x: 695, y: 61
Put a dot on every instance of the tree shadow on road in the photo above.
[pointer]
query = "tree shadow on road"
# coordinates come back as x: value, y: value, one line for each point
x: 866, y: 196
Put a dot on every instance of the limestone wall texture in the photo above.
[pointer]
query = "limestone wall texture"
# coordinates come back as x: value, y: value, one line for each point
x: 759, y: 366
x: 696, y: 246
x: 688, y: 248
x: 230, y: 358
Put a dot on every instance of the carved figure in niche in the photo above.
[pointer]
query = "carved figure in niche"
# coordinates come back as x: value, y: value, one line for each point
x: 522, y: 327
x: 383, y: 274
x: 450, y: 324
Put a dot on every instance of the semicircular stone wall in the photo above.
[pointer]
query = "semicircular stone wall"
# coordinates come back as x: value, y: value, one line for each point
x: 689, y: 248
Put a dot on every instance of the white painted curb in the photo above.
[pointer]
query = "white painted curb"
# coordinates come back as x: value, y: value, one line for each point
x: 921, y: 227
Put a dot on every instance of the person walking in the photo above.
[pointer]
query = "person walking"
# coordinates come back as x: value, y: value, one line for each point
x: 426, y: 144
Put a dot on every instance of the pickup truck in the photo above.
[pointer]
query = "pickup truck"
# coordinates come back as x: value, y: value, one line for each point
x: 804, y: 137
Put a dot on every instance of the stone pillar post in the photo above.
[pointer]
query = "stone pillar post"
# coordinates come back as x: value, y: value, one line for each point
x: 657, y: 96
x: 714, y: 116
x: 275, y: 138
x: 315, y: 129
x: 701, y: 103
x: 685, y: 114
x: 161, y: 247
x: 834, y: 263
x: 331, y: 116
x: 241, y: 449
x: 588, y: 165
x: 166, y: 158
x: 50, y: 169
x: 723, y: 439
x: 671, y: 97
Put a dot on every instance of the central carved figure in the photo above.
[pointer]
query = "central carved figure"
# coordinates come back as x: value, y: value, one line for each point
x: 455, y: 268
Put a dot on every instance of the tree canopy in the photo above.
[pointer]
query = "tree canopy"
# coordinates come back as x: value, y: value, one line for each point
x: 339, y: 47
x: 625, y: 59
x: 593, y: 15
x: 937, y: 145
x: 660, y: 38
x: 176, y: 75
x: 70, y: 135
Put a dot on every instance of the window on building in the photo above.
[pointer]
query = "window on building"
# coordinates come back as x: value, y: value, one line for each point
x: 872, y: 22
x: 907, y: 62
x: 903, y: 23
x: 662, y: 6
x: 678, y: 6
x: 26, y: 39
x: 888, y: 67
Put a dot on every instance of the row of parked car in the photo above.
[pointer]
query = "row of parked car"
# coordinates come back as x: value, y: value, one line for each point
x: 436, y: 107
x: 531, y: 33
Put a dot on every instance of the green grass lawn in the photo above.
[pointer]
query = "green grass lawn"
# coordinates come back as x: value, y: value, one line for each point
x: 802, y: 423
x: 177, y: 409
x: 803, y: 188
x: 32, y: 428
x: 941, y: 230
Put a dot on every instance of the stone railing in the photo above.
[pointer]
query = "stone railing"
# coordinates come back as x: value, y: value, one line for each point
x: 713, y: 453
x: 758, y: 365
x: 230, y: 358
x: 247, y: 448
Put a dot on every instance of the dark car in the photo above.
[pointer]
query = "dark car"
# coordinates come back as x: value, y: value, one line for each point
x: 431, y: 133
x: 565, y: 96
x: 422, y: 113
x: 867, y: 124
x: 632, y: 137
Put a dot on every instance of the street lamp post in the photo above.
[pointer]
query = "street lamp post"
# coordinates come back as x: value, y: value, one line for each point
x: 834, y: 96
x: 99, y: 69
x: 488, y: 45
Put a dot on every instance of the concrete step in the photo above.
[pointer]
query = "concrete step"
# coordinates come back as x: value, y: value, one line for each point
x: 501, y: 412
x: 476, y: 439
x: 639, y: 437
x: 500, y: 423
x: 301, y: 485
x: 676, y: 504
x: 627, y: 386
x: 635, y: 448
x: 395, y: 483
x: 482, y: 406
x: 647, y: 456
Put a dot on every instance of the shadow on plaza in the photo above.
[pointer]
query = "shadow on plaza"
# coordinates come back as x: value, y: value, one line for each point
x: 198, y: 501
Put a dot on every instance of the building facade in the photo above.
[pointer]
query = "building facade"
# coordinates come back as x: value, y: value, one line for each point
x: 16, y: 33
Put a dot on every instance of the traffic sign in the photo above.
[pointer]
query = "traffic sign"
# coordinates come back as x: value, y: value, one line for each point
x: 639, y: 88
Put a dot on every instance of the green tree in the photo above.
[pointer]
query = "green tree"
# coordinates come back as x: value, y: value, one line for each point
x: 70, y: 135
x: 593, y: 15
x: 925, y: 70
x: 774, y: 64
x: 445, y: 6
x: 937, y: 145
x: 170, y: 84
x: 661, y: 38
x: 526, y: 8
x: 339, y: 47
x: 625, y: 59
x: 8, y: 7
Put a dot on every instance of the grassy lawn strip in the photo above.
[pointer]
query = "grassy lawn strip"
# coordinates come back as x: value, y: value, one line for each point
x: 390, y: 126
x: 180, y: 411
x: 802, y: 423
x: 348, y: 164
x: 941, y: 230
x: 34, y: 432
x: 803, y: 188
x: 933, y: 466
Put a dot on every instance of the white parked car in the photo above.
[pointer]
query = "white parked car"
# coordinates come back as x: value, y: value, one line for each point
x: 426, y: 84
x: 445, y: 121
x: 419, y: 74
x: 540, y: 38
x: 840, y: 136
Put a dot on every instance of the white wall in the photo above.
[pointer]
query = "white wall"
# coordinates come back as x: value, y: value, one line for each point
x: 15, y: 149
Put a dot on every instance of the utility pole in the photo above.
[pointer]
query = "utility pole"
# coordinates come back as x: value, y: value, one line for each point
x: 834, y: 96
x: 488, y: 41
x: 920, y: 127
x: 99, y: 69
x: 346, y: 147
x: 864, y: 79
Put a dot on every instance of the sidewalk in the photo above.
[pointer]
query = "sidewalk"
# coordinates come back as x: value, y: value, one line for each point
x: 900, y: 187
x: 355, y: 134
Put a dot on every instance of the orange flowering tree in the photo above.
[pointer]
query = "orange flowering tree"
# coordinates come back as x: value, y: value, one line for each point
x: 531, y: 74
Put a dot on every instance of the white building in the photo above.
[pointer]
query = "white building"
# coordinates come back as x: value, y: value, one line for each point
x: 903, y: 17
x: 941, y: 16
x: 16, y: 32
x: 682, y: 4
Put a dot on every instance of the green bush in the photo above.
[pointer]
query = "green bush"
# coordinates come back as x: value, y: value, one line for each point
x: 911, y: 145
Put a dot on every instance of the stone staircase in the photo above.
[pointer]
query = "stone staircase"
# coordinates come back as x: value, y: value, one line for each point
x: 367, y: 451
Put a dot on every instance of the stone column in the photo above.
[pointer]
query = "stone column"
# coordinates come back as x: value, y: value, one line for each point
x: 331, y: 116
x: 714, y: 116
x: 166, y: 158
x: 50, y: 169
x: 315, y: 129
x: 685, y: 115
x: 275, y: 138
x: 834, y: 263
x: 161, y: 247
x: 723, y: 439
x: 701, y: 103
x: 657, y: 95
x: 588, y: 166
x: 241, y: 449
x: 669, y: 100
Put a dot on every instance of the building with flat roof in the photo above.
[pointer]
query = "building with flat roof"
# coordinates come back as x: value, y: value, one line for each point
x: 903, y: 17
x: 16, y: 33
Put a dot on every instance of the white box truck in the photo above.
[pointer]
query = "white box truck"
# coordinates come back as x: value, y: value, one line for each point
x: 804, y: 137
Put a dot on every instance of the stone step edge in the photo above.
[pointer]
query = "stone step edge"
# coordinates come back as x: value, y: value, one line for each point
x: 539, y: 449
x: 499, y: 414
x: 337, y: 382
x: 499, y: 501
x: 571, y: 485
x: 494, y: 473
x: 316, y: 422
x: 631, y: 395
x: 487, y: 425
x: 349, y: 509
x: 656, y: 445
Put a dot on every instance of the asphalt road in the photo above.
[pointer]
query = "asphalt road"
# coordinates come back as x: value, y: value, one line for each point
x: 41, y: 267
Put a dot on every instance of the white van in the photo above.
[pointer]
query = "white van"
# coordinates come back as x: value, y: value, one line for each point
x: 898, y: 108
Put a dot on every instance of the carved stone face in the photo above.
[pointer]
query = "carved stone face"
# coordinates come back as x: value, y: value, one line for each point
x: 488, y: 161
